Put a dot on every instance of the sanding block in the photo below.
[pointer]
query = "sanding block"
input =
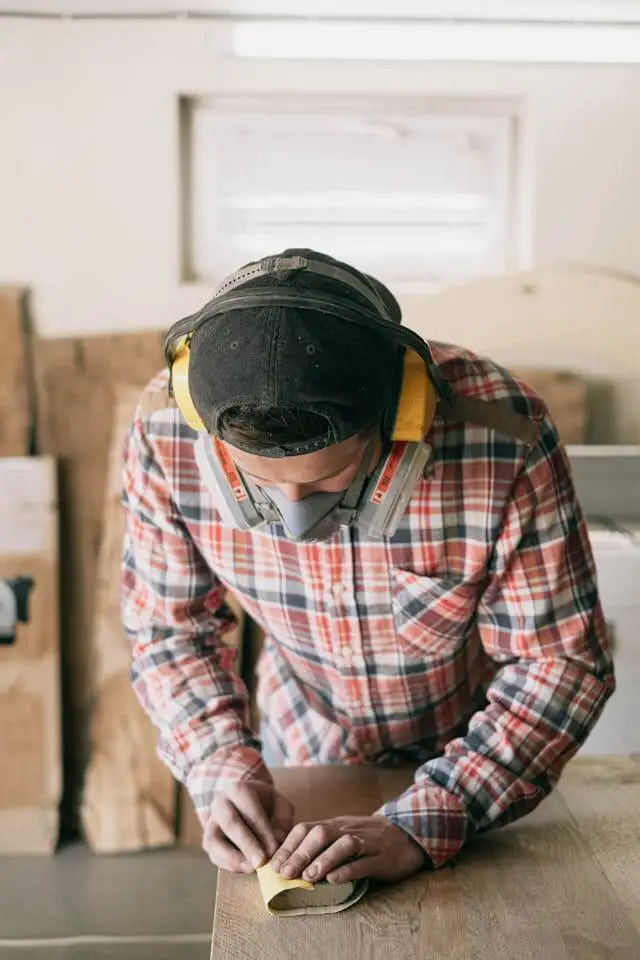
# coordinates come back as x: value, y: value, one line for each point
x: 293, y: 898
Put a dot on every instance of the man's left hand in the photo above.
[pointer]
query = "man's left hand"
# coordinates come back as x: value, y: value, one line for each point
x: 348, y: 848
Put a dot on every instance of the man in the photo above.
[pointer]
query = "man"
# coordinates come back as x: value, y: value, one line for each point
x: 429, y: 600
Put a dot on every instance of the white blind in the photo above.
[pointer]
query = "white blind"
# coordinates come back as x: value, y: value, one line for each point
x: 413, y: 198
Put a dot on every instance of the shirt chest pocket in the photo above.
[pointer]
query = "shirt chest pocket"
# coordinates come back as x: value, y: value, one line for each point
x: 432, y: 616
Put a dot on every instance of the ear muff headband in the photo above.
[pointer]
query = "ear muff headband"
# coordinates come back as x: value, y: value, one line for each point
x: 422, y: 382
x: 319, y: 301
x: 271, y: 265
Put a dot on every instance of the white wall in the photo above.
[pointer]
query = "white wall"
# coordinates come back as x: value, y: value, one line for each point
x: 89, y: 206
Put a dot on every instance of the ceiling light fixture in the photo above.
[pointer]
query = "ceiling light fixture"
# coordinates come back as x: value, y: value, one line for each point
x: 439, y: 42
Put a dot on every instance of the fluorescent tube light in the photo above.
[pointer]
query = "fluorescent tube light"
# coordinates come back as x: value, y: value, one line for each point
x: 444, y: 42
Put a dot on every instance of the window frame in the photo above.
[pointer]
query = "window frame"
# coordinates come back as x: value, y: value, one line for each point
x: 516, y: 197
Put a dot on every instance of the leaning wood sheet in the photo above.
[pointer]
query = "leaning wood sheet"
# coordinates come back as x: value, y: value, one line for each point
x: 76, y: 380
x: 129, y: 797
x: 30, y: 751
x: 16, y: 402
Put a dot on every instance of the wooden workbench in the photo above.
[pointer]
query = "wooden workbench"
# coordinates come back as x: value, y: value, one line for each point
x: 561, y: 884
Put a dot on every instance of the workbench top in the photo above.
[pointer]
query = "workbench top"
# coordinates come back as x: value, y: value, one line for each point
x: 561, y: 884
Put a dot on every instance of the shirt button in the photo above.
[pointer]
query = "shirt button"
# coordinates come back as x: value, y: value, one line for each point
x: 337, y: 589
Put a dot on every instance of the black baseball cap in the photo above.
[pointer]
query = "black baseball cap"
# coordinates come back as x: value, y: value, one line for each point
x: 296, y: 357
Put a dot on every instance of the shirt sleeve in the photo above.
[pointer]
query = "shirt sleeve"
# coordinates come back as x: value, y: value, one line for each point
x: 173, y: 610
x: 540, y: 620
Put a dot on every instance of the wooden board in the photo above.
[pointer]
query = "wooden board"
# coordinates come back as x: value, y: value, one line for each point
x: 76, y: 379
x: 30, y: 740
x: 566, y: 397
x: 603, y: 796
x: 129, y: 796
x: 533, y: 890
x: 16, y: 401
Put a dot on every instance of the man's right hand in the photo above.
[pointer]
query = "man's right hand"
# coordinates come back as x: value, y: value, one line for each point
x: 246, y: 825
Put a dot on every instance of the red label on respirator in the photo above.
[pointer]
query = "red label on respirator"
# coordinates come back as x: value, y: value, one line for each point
x: 230, y: 472
x: 386, y: 477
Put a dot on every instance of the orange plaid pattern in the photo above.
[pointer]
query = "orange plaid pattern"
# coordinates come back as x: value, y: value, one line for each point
x: 471, y: 643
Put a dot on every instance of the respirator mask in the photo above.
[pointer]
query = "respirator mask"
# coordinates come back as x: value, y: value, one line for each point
x: 374, y: 502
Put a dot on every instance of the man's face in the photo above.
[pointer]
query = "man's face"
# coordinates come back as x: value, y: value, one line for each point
x: 323, y: 471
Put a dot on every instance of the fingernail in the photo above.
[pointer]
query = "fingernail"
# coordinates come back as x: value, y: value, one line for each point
x: 289, y: 871
x: 257, y: 860
x: 311, y: 872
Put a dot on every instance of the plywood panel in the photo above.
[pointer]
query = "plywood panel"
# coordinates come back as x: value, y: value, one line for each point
x: 566, y: 397
x: 129, y: 797
x: 76, y: 379
x: 30, y: 713
x: 16, y: 411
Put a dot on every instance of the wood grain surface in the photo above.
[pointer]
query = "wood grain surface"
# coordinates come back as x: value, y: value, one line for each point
x: 16, y: 401
x: 560, y: 884
x: 129, y: 796
x: 77, y: 380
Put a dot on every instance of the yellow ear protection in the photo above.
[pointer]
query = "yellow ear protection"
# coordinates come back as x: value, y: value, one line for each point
x: 179, y: 373
x: 408, y: 417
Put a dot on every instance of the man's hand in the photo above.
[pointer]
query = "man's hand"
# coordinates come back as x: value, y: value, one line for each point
x: 348, y: 848
x: 245, y: 825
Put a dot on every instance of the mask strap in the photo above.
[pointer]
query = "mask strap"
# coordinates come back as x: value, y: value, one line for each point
x: 353, y: 493
x: 260, y: 500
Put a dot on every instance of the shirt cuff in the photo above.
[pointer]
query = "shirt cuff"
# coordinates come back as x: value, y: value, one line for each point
x: 435, y: 818
x: 226, y: 766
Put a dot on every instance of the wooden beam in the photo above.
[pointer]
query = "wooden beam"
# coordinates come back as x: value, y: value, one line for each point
x: 129, y: 797
x: 16, y: 401
x: 76, y: 379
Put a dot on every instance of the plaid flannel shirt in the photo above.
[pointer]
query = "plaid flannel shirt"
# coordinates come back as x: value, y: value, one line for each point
x: 470, y: 644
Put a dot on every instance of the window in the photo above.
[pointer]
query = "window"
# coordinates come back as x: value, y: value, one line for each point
x: 419, y: 196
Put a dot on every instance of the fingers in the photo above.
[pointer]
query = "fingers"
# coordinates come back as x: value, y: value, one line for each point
x: 222, y: 853
x: 230, y: 821
x: 249, y: 805
x: 291, y: 843
x: 357, y: 870
x: 303, y: 845
x: 346, y: 848
x: 241, y: 835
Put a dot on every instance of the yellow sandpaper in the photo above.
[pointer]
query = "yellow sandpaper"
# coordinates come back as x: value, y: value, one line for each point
x: 289, y: 898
